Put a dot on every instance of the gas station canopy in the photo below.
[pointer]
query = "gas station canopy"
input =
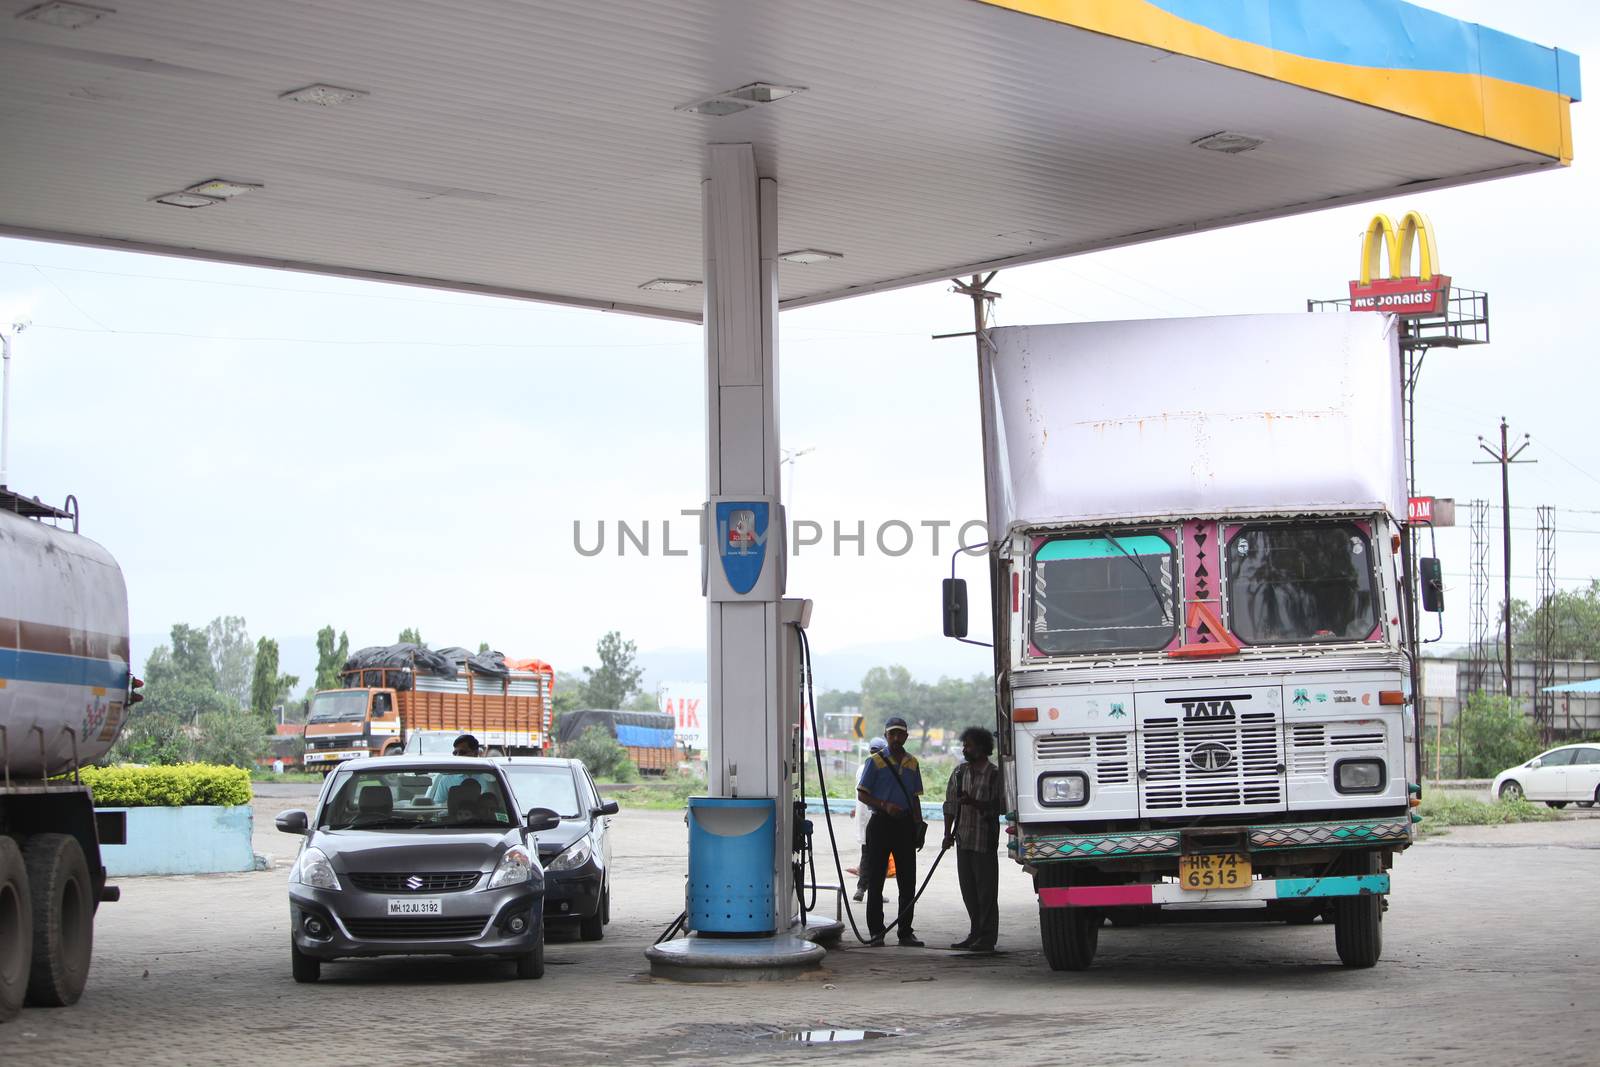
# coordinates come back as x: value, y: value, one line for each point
x: 554, y: 151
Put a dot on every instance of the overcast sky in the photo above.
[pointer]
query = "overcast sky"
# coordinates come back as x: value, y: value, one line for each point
x: 303, y: 451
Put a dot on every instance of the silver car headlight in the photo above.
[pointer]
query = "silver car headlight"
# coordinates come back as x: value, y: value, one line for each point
x: 1069, y: 790
x: 312, y: 869
x: 1360, y: 776
x: 573, y: 856
x: 516, y: 867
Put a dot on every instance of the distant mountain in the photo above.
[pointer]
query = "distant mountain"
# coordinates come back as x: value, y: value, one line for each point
x: 928, y: 660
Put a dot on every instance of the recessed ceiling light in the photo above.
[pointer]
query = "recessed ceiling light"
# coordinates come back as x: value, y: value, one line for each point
x: 763, y: 92
x: 740, y: 99
x: 671, y: 285
x: 64, y: 15
x: 186, y: 200
x: 221, y: 189
x: 715, y: 106
x: 1228, y: 143
x: 809, y: 255
x: 322, y: 95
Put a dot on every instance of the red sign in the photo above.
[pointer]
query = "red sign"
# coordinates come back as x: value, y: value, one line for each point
x: 1398, y: 291
x: 1402, y: 296
x: 1420, y: 509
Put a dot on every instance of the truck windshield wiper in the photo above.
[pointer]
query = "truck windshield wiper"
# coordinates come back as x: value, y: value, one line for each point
x: 1161, y: 601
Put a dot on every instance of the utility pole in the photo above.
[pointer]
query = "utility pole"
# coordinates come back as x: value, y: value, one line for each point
x: 5, y: 400
x: 1505, y: 458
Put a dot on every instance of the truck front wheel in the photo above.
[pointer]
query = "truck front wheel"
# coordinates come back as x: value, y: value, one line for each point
x: 63, y: 919
x: 1069, y: 935
x: 1358, y: 922
x: 16, y: 929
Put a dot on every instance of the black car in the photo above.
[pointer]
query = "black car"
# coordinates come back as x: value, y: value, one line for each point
x: 577, y: 854
x: 411, y: 855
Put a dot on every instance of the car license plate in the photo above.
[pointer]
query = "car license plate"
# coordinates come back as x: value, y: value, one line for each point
x: 416, y: 906
x: 1215, y: 870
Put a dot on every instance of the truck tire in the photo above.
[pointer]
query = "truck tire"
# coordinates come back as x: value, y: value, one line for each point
x: 1070, y: 937
x: 16, y: 929
x: 1358, y: 921
x: 593, y: 928
x: 63, y: 919
x: 306, y: 968
x: 531, y: 964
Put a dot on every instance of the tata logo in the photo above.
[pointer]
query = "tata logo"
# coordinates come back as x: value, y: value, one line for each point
x: 414, y: 882
x: 1208, y: 709
x: 1211, y: 756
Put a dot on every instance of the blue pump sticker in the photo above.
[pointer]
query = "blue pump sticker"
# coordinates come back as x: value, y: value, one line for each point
x: 741, y: 539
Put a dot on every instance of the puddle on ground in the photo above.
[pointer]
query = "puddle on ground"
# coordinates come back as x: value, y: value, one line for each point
x: 830, y: 1037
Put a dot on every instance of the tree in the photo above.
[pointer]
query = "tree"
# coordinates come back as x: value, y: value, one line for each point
x: 617, y: 678
x: 569, y: 693
x: 483, y: 646
x: 191, y: 655
x: 601, y: 753
x: 331, y: 656
x: 1495, y: 734
x: 412, y: 636
x: 180, y: 681
x: 1576, y: 618
x: 232, y: 656
x: 268, y: 688
x: 236, y: 738
x: 151, y: 737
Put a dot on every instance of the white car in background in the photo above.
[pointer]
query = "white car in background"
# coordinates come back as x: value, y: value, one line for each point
x: 1562, y: 775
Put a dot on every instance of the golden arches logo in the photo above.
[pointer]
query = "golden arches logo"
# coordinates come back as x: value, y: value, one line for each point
x: 1382, y: 236
x: 1397, y: 290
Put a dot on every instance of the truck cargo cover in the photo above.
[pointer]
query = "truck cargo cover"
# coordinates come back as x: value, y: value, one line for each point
x: 1234, y: 415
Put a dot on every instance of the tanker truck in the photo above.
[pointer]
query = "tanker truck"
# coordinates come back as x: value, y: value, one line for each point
x: 1204, y: 630
x: 64, y: 693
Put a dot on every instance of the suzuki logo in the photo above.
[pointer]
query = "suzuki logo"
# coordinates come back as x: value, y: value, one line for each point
x: 1211, y: 756
x: 1207, y: 709
x: 414, y: 882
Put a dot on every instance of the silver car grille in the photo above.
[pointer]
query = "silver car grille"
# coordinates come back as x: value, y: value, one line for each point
x: 1173, y: 782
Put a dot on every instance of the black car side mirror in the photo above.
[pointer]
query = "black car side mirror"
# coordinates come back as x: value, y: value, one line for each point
x: 607, y: 807
x: 1432, y: 584
x: 293, y: 822
x: 955, y: 607
x: 539, y: 819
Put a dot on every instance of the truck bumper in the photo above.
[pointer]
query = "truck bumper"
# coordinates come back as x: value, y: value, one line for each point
x: 1113, y: 896
x: 1273, y: 838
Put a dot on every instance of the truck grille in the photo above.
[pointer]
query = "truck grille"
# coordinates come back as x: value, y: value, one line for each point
x: 1311, y: 744
x: 323, y: 743
x: 1108, y: 752
x: 1174, y: 781
x: 464, y: 928
x: 386, y: 882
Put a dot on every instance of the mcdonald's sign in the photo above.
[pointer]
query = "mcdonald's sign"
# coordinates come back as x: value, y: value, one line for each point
x: 1399, y: 291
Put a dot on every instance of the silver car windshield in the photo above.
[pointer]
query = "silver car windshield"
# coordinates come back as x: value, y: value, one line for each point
x: 428, y: 798
x: 544, y: 787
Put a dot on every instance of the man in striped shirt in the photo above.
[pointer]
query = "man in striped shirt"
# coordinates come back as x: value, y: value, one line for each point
x: 973, y: 800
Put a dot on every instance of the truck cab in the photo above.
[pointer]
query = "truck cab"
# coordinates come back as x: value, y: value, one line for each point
x: 344, y: 724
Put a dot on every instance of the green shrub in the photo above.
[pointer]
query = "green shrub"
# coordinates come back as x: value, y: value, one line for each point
x: 152, y: 737
x: 235, y: 738
x: 1495, y: 735
x: 600, y: 752
x: 1440, y: 808
x: 167, y: 787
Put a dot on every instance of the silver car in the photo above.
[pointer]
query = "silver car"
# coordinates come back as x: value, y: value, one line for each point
x: 410, y: 855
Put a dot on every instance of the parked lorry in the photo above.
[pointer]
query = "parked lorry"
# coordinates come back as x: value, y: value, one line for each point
x: 1203, y: 623
x: 647, y: 735
x: 389, y: 692
x: 65, y: 689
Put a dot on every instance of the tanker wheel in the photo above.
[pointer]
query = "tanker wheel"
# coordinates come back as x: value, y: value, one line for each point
x: 16, y: 929
x: 63, y: 919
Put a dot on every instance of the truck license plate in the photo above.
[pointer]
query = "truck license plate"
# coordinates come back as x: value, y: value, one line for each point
x: 416, y: 906
x: 1215, y: 870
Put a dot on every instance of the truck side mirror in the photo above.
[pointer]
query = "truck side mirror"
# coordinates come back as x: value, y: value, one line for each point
x: 1432, y: 585
x: 955, y: 607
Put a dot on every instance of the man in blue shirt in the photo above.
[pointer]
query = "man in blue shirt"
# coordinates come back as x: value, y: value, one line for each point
x: 891, y: 786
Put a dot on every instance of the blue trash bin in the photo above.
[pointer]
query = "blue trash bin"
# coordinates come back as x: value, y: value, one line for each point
x: 731, y: 842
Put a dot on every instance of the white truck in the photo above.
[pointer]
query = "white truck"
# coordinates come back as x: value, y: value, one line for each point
x: 1204, y: 638
x: 64, y: 693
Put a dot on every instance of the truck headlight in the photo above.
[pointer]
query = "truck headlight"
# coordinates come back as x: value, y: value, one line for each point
x: 312, y: 869
x: 574, y: 856
x: 516, y: 866
x: 1069, y: 790
x: 1360, y: 776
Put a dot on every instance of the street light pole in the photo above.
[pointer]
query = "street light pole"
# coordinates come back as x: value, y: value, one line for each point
x: 1505, y: 458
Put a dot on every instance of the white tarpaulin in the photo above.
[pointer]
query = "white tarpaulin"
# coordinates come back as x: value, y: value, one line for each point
x: 1236, y: 415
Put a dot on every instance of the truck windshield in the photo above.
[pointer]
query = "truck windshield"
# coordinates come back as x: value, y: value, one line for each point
x: 346, y: 706
x: 1103, y: 594
x: 1294, y: 584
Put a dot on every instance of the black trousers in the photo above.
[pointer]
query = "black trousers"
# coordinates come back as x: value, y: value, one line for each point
x: 979, y: 872
x: 888, y: 836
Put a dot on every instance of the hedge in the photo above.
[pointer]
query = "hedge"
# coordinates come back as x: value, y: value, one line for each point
x: 168, y: 787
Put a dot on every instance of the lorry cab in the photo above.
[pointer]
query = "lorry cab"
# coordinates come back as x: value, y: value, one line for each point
x: 346, y: 723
